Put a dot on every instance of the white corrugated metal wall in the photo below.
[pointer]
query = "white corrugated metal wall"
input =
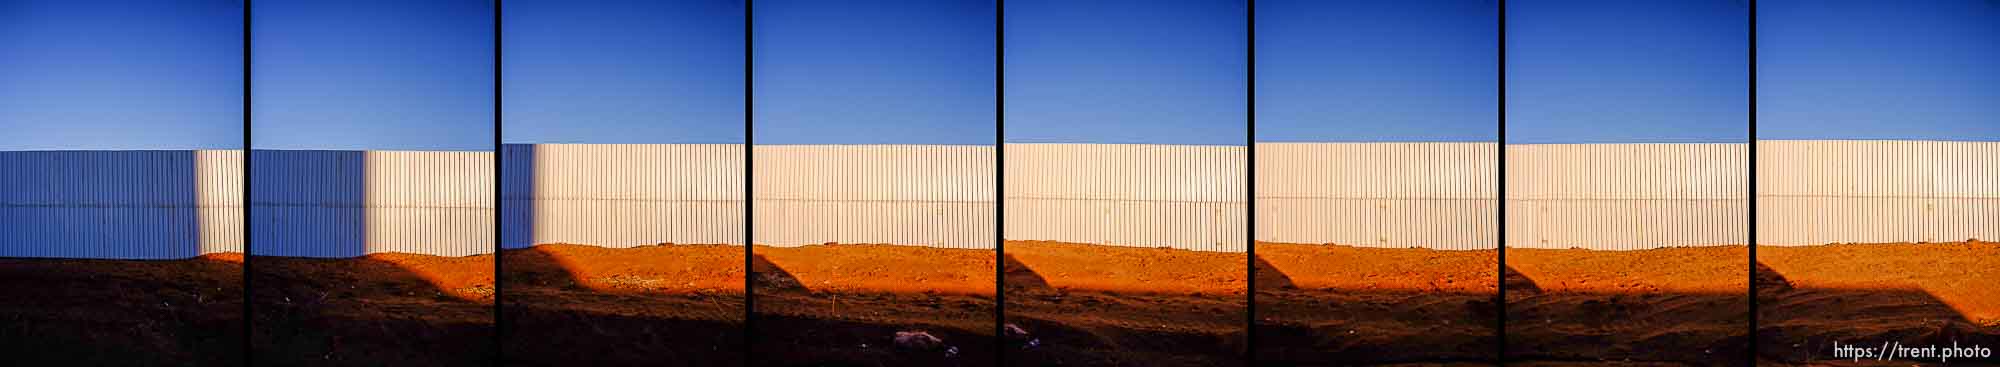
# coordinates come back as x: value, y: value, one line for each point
x: 1179, y: 196
x: 1432, y: 195
x: 137, y: 204
x: 622, y: 195
x: 1813, y: 192
x: 351, y: 203
x: 1627, y: 196
x: 928, y: 195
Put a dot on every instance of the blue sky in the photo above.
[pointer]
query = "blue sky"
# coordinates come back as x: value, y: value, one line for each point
x: 372, y: 74
x: 622, y: 71
x: 1377, y: 70
x: 126, y: 74
x: 1127, y: 71
x: 1583, y: 71
x: 874, y: 72
x: 1878, y: 70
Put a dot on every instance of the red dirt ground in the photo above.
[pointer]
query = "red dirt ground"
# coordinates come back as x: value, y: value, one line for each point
x: 1916, y: 294
x: 578, y: 305
x: 842, y: 304
x: 1670, y: 306
x: 376, y: 310
x: 1124, y: 306
x: 1344, y: 305
x: 62, y: 312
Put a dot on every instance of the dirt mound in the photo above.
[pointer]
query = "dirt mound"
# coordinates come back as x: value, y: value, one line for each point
x: 1671, y: 305
x: 1125, y: 306
x: 588, y: 305
x: 1344, y: 305
x: 843, y: 304
x: 383, y: 309
x: 61, y: 312
x: 1809, y: 297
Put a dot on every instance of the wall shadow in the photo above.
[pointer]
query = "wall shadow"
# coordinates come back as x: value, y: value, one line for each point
x: 1694, y: 328
x: 1269, y: 276
x: 1355, y: 325
x: 1019, y: 277
x: 553, y: 317
x: 840, y: 320
x: 1801, y: 325
x: 517, y: 194
x: 118, y: 204
x: 361, y: 311
x: 1517, y: 282
x: 308, y: 203
x: 769, y: 276
x: 61, y: 312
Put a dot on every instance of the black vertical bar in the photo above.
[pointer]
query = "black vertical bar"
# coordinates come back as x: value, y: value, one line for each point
x: 1500, y: 207
x: 749, y: 141
x: 499, y: 282
x: 247, y: 218
x: 1753, y: 185
x: 1250, y: 189
x: 1000, y: 182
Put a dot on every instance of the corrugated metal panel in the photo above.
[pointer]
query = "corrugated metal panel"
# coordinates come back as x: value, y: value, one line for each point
x: 1178, y: 196
x: 351, y: 203
x: 928, y: 195
x: 1814, y: 192
x: 1433, y: 195
x: 219, y: 199
x: 112, y: 204
x: 622, y: 195
x: 1627, y: 196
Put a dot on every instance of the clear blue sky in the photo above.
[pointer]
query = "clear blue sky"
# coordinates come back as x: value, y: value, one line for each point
x: 1127, y: 71
x: 622, y: 71
x: 1582, y: 71
x: 372, y: 74
x: 1423, y: 70
x: 1878, y: 69
x: 124, y: 74
x: 874, y: 72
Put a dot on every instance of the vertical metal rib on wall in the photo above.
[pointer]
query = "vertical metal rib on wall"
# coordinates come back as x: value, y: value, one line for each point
x: 623, y: 195
x: 1813, y: 192
x: 1178, y: 196
x: 1432, y: 195
x: 928, y: 195
x: 1626, y: 196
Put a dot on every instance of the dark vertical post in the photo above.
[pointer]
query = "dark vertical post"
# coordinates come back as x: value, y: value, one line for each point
x: 1752, y: 195
x: 247, y: 218
x: 749, y: 141
x: 1500, y: 191
x: 1000, y: 182
x: 1250, y: 188
x: 499, y: 282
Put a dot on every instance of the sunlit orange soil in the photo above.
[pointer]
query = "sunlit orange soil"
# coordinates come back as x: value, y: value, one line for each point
x: 1686, y: 306
x: 1092, y: 305
x: 842, y: 304
x: 1344, y: 305
x: 649, y: 305
x: 381, y: 309
x: 60, y: 312
x: 1917, y: 294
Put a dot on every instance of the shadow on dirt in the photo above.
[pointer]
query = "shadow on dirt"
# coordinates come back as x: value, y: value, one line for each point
x: 361, y: 311
x: 551, y: 319
x: 62, y: 312
x: 799, y: 326
x: 1337, y: 326
x: 1800, y: 325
